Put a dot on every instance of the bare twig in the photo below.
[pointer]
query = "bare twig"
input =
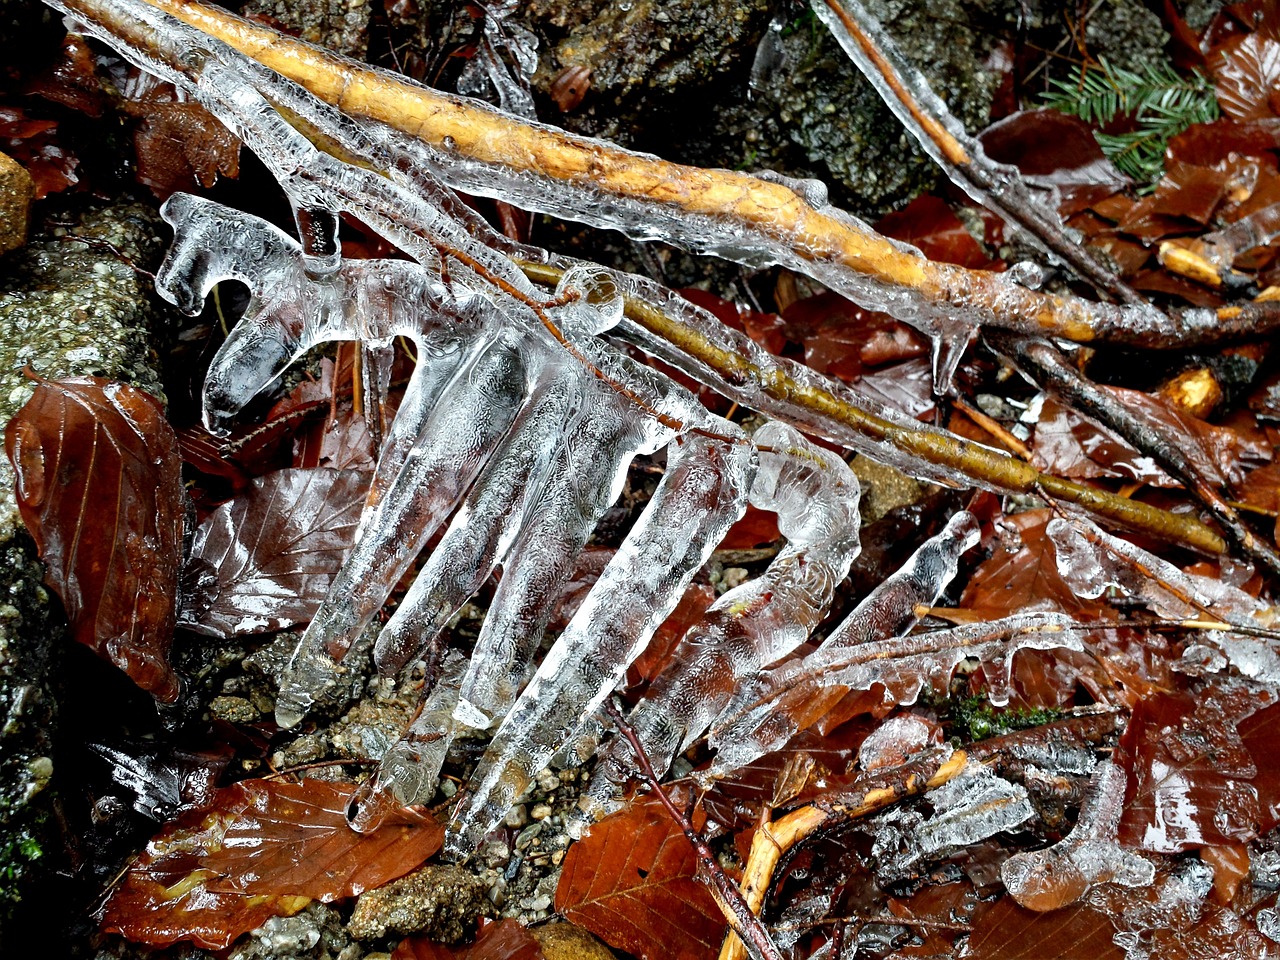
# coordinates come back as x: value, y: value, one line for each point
x: 1044, y: 364
x: 742, y: 920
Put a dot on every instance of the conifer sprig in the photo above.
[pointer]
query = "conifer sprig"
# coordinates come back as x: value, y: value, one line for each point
x: 1161, y: 101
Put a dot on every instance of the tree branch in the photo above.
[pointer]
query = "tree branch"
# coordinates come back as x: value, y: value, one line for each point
x: 480, y: 142
x: 474, y: 136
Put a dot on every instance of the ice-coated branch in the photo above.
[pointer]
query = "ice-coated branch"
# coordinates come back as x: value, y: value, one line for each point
x: 904, y: 665
x: 1091, y: 560
x: 422, y: 217
x: 1042, y: 363
x: 996, y: 186
x: 750, y: 219
x: 1063, y: 873
x: 816, y: 499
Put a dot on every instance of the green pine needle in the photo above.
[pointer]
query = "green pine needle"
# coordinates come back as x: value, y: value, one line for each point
x: 1162, y: 102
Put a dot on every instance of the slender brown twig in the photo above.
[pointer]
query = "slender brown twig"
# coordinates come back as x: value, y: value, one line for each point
x: 742, y: 920
x: 1042, y: 362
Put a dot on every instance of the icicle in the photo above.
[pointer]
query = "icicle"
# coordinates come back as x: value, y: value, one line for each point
x: 409, y: 771
x: 588, y: 475
x: 486, y: 70
x: 488, y: 522
x: 816, y: 498
x: 699, y: 497
x: 1063, y: 873
x: 474, y: 415
x: 764, y: 715
x: 764, y: 712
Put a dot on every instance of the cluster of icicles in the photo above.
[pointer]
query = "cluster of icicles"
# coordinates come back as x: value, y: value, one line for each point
x: 514, y: 436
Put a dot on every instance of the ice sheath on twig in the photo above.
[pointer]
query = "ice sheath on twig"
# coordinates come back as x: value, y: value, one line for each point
x: 676, y: 201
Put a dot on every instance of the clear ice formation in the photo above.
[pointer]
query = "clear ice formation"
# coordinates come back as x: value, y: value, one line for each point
x: 517, y: 428
x: 971, y: 807
x: 816, y: 499
x: 1063, y: 873
x: 762, y: 714
x: 486, y: 73
x: 1091, y: 560
x: 762, y: 717
x: 1258, y: 229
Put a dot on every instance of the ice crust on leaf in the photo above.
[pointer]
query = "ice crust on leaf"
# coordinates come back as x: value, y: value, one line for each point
x: 1063, y: 873
x: 973, y: 806
x: 769, y: 707
x: 1090, y: 560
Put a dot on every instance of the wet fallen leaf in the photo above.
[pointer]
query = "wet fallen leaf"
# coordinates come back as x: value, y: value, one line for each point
x: 1054, y: 149
x: 505, y: 940
x: 1007, y: 931
x: 266, y: 848
x: 930, y: 225
x: 35, y: 145
x: 631, y: 881
x: 1193, y: 778
x: 100, y: 488
x: 266, y: 559
x: 180, y: 144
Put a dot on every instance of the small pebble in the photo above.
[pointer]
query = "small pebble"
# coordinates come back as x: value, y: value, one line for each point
x: 540, y: 811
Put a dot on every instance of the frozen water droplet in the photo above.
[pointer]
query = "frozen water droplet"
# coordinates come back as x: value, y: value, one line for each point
x: 894, y: 741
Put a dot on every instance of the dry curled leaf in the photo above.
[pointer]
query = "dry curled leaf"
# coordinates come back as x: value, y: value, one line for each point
x: 266, y: 848
x: 99, y: 486
x: 631, y: 882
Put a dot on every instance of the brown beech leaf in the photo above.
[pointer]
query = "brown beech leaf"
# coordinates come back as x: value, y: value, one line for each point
x: 1070, y: 445
x: 180, y: 144
x: 843, y: 340
x: 756, y: 528
x: 1009, y: 932
x: 1023, y: 571
x: 657, y: 654
x: 1194, y: 778
x: 35, y: 145
x: 631, y: 882
x: 266, y: 559
x: 930, y: 225
x: 1246, y: 76
x: 1052, y: 148
x: 505, y: 940
x: 266, y: 848
x: 99, y: 486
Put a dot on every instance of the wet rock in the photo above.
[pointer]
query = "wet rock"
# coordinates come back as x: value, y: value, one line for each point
x: 340, y: 25
x: 16, y: 193
x: 884, y: 488
x: 565, y: 941
x: 315, y: 932
x: 637, y: 51
x: 66, y: 308
x: 442, y: 901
